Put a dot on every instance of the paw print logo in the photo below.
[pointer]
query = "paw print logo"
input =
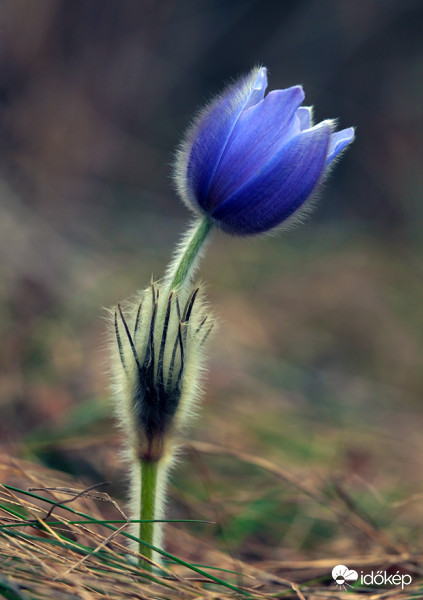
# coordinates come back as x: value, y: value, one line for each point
x: 342, y: 575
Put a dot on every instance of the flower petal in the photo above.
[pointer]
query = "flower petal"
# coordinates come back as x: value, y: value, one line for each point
x: 338, y: 141
x: 305, y: 115
x: 206, y: 140
x: 259, y: 133
x: 280, y: 188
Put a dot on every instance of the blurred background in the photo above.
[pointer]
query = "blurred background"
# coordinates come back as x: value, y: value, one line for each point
x: 317, y: 363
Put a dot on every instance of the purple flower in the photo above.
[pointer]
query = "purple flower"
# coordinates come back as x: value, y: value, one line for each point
x: 249, y: 162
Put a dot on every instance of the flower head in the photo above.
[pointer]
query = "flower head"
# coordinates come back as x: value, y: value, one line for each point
x: 157, y: 366
x: 250, y: 162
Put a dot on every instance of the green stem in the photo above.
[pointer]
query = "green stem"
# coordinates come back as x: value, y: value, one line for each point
x: 148, y: 508
x: 189, y: 252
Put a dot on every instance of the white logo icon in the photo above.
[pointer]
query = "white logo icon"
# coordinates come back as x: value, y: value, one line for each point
x: 342, y: 575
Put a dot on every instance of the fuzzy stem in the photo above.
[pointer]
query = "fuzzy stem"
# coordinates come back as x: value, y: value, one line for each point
x: 148, y: 509
x: 190, y: 250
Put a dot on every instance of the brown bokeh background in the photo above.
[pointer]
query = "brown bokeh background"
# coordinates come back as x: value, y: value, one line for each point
x: 317, y: 362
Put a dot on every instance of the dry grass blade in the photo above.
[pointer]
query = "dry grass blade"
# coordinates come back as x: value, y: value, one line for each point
x: 75, y: 558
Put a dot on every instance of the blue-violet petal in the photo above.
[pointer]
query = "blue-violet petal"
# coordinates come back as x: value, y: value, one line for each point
x: 305, y: 116
x: 280, y: 188
x: 338, y: 142
x: 259, y: 133
x: 210, y: 133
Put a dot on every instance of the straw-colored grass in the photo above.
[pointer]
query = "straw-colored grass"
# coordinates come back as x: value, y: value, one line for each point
x: 56, y: 542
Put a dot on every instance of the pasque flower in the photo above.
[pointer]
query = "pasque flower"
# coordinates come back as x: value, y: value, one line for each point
x: 249, y: 162
x: 157, y: 364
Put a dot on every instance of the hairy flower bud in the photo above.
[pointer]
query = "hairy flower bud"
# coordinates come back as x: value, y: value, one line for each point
x: 159, y: 345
